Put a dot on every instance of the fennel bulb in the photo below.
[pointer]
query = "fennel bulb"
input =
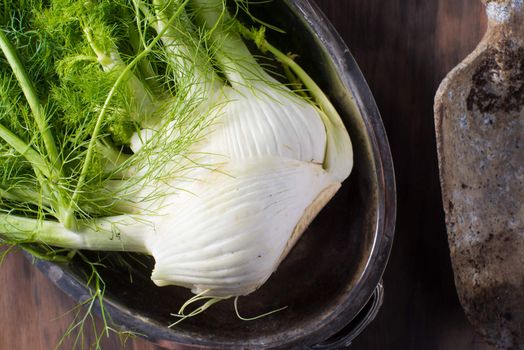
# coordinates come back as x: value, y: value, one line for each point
x: 161, y: 133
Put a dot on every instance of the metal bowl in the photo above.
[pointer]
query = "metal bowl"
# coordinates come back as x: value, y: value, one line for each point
x: 330, y: 282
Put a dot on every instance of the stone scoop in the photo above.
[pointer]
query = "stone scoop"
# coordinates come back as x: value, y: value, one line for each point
x: 479, y: 121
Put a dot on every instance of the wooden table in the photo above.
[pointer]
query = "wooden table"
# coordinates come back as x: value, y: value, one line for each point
x: 404, y: 48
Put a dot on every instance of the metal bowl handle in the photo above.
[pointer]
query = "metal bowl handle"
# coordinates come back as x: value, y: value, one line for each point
x: 345, y: 337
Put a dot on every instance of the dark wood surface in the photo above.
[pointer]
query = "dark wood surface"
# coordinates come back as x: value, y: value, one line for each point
x: 404, y: 48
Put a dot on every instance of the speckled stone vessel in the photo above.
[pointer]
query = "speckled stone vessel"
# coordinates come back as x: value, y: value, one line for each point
x: 479, y: 119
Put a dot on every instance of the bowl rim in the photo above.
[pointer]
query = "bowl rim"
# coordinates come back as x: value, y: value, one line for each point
x: 352, y: 79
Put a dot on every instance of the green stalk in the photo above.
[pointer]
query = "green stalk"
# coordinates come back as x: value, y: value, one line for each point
x: 110, y: 60
x: 39, y: 164
x: 25, y: 195
x: 69, y: 223
x: 32, y: 98
x: 188, y: 60
x: 235, y: 59
x: 53, y: 170
x: 102, y: 235
x: 317, y: 93
x: 149, y: 78
x: 8, y: 195
x: 338, y: 144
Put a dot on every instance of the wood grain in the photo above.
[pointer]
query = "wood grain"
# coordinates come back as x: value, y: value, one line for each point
x: 404, y: 48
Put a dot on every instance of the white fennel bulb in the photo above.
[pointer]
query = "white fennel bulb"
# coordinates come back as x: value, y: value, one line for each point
x: 228, y: 232
x: 228, y: 225
x: 227, y: 166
